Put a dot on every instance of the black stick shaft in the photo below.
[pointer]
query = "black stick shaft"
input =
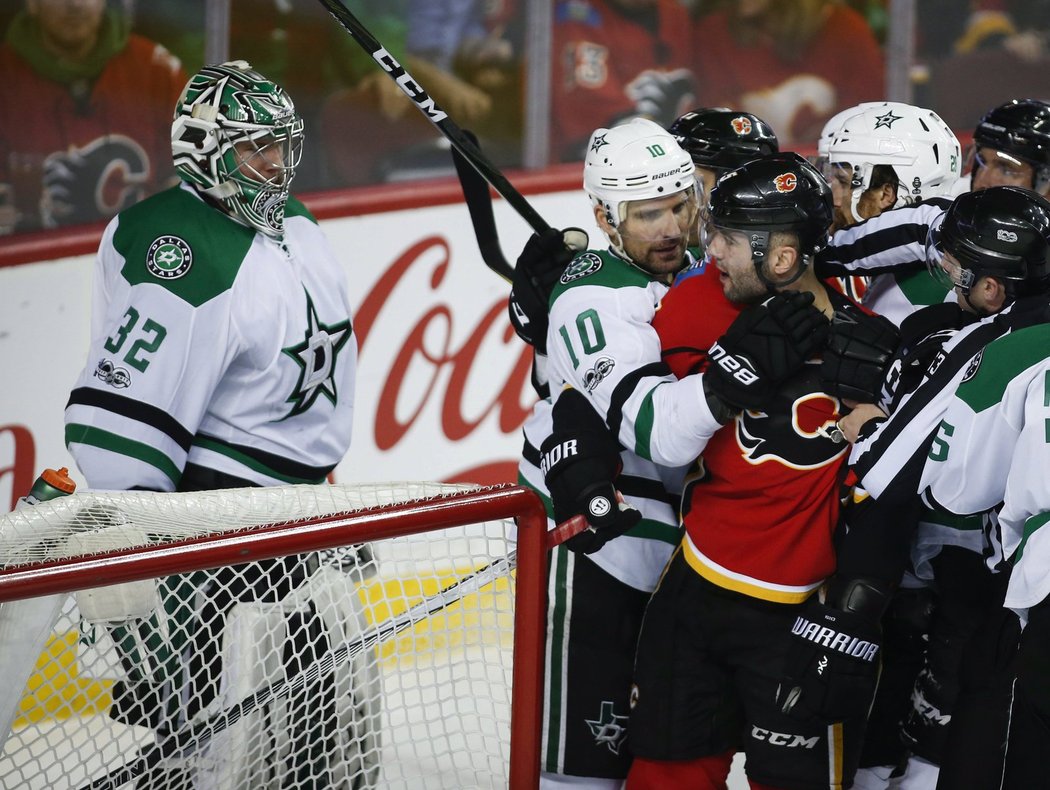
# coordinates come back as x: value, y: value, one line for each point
x: 479, y: 204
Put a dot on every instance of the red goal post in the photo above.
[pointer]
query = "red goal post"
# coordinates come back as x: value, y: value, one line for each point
x: 47, y: 552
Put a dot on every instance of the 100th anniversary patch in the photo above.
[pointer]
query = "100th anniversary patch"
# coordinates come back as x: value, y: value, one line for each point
x: 169, y: 257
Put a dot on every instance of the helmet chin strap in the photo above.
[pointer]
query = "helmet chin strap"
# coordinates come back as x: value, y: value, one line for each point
x: 978, y: 311
x: 776, y: 286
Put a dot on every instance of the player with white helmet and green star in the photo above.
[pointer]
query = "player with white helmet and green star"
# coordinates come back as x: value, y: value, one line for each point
x: 222, y: 351
x: 643, y: 193
x: 610, y: 384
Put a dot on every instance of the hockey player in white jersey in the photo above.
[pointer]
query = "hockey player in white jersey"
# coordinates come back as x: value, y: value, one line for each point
x: 605, y: 368
x: 989, y: 456
x: 647, y: 204
x: 717, y: 140
x: 991, y: 246
x: 222, y: 350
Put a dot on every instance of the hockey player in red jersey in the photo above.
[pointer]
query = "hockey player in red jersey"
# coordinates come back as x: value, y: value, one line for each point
x: 759, y: 515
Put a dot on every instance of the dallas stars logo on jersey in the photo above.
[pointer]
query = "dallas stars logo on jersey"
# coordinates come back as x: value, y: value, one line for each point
x: 316, y: 357
x: 169, y: 257
x: 609, y: 729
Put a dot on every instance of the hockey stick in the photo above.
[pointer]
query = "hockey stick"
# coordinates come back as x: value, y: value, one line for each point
x: 460, y: 143
x: 479, y: 204
x: 196, y: 735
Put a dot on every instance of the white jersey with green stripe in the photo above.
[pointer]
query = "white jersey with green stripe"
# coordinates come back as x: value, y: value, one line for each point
x: 993, y: 446
x: 600, y: 342
x: 213, y: 345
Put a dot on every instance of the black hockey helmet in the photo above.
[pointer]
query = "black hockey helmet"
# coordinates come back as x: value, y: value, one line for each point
x: 1001, y: 232
x: 721, y: 139
x: 1020, y: 128
x: 781, y: 192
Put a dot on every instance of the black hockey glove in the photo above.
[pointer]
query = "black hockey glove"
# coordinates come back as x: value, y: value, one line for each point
x: 832, y: 661
x: 536, y: 272
x: 765, y: 345
x: 580, y: 461
x: 860, y: 349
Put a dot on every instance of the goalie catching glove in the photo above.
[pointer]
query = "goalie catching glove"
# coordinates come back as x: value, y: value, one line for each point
x: 765, y: 345
x: 831, y: 665
x: 860, y: 349
x: 579, y: 463
x: 536, y: 272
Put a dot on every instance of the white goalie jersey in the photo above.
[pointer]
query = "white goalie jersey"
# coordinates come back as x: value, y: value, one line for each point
x: 215, y: 346
x: 993, y: 446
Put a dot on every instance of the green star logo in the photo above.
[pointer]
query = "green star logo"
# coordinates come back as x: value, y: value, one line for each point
x: 886, y: 120
x: 316, y: 357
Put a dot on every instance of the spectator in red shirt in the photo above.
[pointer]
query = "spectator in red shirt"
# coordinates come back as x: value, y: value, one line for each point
x: 793, y: 64
x: 613, y: 60
x: 85, y: 108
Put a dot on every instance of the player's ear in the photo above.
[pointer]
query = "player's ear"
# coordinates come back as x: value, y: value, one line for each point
x: 994, y: 292
x: 782, y: 261
x: 887, y: 196
x: 602, y: 220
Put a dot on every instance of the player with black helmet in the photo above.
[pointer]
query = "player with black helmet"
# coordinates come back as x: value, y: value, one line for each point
x: 992, y: 452
x: 1012, y: 147
x: 990, y: 248
x: 618, y: 413
x: 719, y: 140
x: 759, y: 515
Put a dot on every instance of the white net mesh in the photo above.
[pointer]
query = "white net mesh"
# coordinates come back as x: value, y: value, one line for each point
x: 347, y: 667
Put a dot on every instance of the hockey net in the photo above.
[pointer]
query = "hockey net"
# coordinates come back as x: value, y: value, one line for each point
x: 289, y: 637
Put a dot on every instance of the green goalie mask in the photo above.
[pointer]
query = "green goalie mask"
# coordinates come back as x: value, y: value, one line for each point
x: 237, y: 137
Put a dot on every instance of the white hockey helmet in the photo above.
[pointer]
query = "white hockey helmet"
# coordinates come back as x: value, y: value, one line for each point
x: 637, y: 160
x: 920, y: 147
x: 832, y: 127
x: 221, y: 108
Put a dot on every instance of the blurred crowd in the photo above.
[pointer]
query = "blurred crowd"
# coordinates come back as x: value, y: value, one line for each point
x: 90, y: 83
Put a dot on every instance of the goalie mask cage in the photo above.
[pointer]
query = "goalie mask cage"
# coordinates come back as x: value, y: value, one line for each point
x: 386, y: 635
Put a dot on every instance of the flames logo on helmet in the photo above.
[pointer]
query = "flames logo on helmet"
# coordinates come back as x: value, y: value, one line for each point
x: 741, y: 125
x: 785, y: 182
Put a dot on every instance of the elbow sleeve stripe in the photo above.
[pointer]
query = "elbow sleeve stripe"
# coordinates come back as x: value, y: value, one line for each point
x: 643, y: 426
x: 131, y: 409
x: 106, y: 440
x: 625, y: 389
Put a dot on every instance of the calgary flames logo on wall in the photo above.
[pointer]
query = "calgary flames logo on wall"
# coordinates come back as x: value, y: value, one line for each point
x: 785, y: 182
x: 741, y: 125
